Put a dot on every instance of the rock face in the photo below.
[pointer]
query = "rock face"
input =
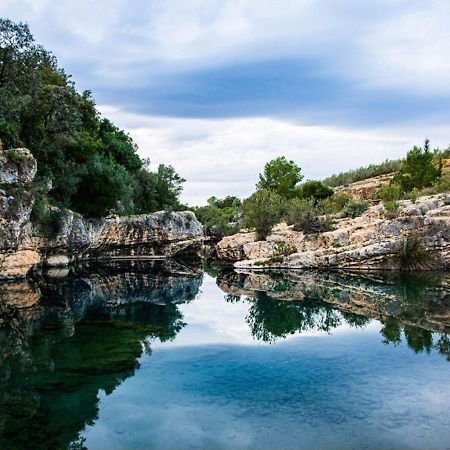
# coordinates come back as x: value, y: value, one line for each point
x: 18, y: 166
x: 23, y: 246
x: 366, y: 189
x: 370, y: 241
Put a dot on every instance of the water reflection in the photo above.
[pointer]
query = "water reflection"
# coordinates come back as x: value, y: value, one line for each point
x: 65, y: 338
x: 294, y: 302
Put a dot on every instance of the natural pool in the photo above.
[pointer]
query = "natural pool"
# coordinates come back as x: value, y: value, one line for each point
x: 158, y: 356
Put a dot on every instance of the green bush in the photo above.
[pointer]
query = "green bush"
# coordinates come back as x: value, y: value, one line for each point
x: 305, y: 216
x: 391, y: 209
x: 315, y: 190
x: 261, y: 211
x: 283, y: 249
x: 413, y: 255
x: 389, y: 193
x: 220, y: 217
x: 13, y: 155
x: 335, y: 203
x: 354, y: 208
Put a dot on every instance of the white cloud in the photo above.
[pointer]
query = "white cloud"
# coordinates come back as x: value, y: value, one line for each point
x: 224, y: 157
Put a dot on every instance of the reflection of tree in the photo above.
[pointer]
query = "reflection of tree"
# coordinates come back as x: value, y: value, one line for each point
x: 418, y: 339
x: 86, y: 335
x: 443, y: 346
x: 391, y: 331
x: 270, y: 319
x: 409, y: 304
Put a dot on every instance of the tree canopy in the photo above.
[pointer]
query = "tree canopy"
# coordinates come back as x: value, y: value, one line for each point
x: 91, y: 164
x: 281, y: 176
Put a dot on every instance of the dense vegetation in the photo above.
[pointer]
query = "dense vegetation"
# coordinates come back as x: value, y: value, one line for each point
x: 312, y: 206
x: 85, y: 162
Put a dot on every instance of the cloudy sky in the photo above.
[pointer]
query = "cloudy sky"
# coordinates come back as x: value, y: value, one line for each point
x: 219, y: 87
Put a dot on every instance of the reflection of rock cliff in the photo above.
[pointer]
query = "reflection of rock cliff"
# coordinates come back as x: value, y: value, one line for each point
x: 419, y: 305
x: 73, y: 237
x: 63, y: 340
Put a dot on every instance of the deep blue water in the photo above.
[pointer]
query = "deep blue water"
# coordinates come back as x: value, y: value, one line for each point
x: 208, y: 377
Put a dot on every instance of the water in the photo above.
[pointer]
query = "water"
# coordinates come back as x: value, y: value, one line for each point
x: 140, y: 356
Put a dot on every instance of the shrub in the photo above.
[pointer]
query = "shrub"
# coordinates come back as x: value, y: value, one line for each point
x: 14, y: 155
x: 305, y: 215
x: 389, y: 193
x: 220, y: 217
x: 283, y: 249
x: 261, y: 211
x: 414, y: 195
x: 391, y: 209
x: 354, y: 208
x: 315, y: 190
x: 413, y: 255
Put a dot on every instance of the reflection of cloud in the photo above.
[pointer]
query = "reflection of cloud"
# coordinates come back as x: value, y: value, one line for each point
x: 347, y: 391
x: 211, y: 320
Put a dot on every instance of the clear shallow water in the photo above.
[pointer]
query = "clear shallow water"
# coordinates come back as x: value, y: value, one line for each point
x: 140, y: 358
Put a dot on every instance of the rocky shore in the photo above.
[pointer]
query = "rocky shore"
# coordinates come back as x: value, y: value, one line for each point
x: 372, y: 241
x: 24, y: 246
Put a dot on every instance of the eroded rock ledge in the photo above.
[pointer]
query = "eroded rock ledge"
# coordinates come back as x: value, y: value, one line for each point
x: 370, y: 241
x: 23, y: 247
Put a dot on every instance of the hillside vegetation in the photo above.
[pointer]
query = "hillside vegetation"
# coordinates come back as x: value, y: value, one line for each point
x: 85, y: 162
x: 313, y: 206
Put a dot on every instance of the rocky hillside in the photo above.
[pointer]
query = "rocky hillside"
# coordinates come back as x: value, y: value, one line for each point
x: 420, y: 232
x: 366, y: 189
x: 70, y: 237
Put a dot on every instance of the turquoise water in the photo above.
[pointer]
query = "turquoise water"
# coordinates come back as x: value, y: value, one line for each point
x: 145, y: 358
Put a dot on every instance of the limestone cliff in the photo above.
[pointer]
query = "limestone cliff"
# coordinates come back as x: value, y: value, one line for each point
x: 371, y: 241
x: 24, y: 246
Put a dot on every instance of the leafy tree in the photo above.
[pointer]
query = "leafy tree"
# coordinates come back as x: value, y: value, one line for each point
x: 93, y: 166
x: 418, y: 169
x: 105, y: 181
x: 261, y: 211
x: 220, y: 216
x: 280, y: 176
x: 315, y: 190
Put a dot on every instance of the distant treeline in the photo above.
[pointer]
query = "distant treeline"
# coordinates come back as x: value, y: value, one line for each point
x: 85, y: 162
x: 362, y: 173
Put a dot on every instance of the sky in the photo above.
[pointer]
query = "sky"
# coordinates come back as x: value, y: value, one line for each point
x: 219, y: 87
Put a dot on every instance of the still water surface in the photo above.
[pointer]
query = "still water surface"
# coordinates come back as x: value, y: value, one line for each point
x: 158, y: 357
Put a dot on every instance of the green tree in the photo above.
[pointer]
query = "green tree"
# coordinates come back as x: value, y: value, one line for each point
x: 93, y: 166
x: 105, y: 181
x: 315, y: 190
x: 280, y: 176
x: 261, y: 211
x: 418, y: 169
